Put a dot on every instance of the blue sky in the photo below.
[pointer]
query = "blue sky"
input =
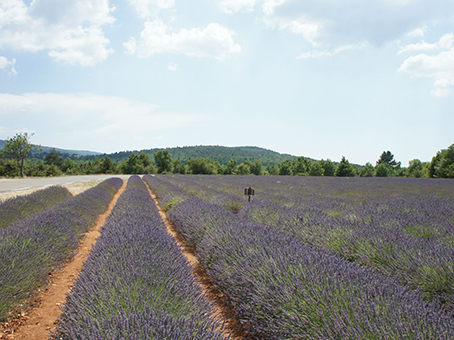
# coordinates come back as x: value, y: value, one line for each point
x: 322, y: 79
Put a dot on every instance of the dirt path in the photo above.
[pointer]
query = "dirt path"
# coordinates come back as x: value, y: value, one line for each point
x: 37, y: 324
x: 224, y: 313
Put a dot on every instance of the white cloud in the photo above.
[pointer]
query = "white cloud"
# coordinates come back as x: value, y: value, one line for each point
x: 70, y: 30
x: 439, y: 67
x: 6, y: 64
x: 445, y: 42
x: 213, y: 41
x: 318, y: 54
x: 418, y: 32
x: 173, y: 67
x: 87, y: 120
x: 150, y: 8
x: 331, y: 24
x: 234, y: 6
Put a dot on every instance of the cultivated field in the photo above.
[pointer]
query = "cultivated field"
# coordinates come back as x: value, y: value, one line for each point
x: 323, y: 258
x: 307, y: 258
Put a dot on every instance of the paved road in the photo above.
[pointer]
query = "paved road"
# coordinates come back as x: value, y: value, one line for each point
x: 7, y: 185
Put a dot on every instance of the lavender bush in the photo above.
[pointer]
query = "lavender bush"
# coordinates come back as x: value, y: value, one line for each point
x: 136, y: 284
x: 283, y: 289
x: 16, y: 208
x: 399, y: 227
x: 32, y: 247
x: 167, y: 194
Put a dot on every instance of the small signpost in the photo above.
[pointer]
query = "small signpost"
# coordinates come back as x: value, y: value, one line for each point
x: 249, y: 192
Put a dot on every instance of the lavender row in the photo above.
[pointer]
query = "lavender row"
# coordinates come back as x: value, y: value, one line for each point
x: 401, y: 227
x: 197, y: 186
x: 17, y: 208
x: 34, y: 246
x: 284, y: 289
x: 136, y: 284
x: 424, y: 264
x: 167, y: 193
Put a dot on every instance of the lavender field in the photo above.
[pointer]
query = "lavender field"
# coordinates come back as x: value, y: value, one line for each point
x: 136, y: 283
x: 32, y: 247
x: 323, y: 258
x: 307, y: 258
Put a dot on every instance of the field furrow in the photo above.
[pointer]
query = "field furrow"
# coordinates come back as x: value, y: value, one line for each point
x: 136, y: 284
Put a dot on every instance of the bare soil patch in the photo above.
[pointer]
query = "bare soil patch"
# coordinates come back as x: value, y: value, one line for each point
x: 37, y: 323
x: 224, y: 312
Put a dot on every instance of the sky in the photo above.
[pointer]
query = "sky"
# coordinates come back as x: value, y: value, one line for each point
x: 321, y: 79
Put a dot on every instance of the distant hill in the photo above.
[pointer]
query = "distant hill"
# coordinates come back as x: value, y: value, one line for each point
x: 222, y: 154
x: 63, y: 152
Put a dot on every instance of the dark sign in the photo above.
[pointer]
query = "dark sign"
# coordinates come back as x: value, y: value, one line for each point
x: 249, y: 192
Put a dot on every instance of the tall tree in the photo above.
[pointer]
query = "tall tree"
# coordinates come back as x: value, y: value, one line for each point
x: 54, y: 158
x: 108, y: 166
x: 144, y: 159
x: 388, y: 158
x: 301, y: 166
x: 18, y: 148
x: 328, y: 167
x: 256, y: 168
x: 272, y: 169
x: 203, y: 166
x: 442, y: 164
x: 367, y: 171
x: 285, y: 168
x: 417, y: 169
x: 163, y: 161
x: 316, y: 169
x: 383, y: 170
x: 345, y: 169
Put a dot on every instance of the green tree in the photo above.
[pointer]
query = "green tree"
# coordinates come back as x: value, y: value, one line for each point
x: 9, y: 168
x: 54, y: 158
x: 388, y: 158
x: 204, y: 166
x: 108, y: 166
x: 18, y: 148
x: 70, y: 167
x: 144, y: 159
x: 272, y: 169
x: 285, y: 168
x: 37, y: 168
x: 367, y: 171
x: 328, y: 167
x: 163, y: 161
x: 53, y: 170
x: 316, y: 169
x: 242, y: 169
x: 301, y: 166
x: 131, y: 165
x: 442, y: 164
x: 383, y: 170
x: 345, y: 169
x: 179, y: 168
x: 230, y: 167
x: 256, y: 168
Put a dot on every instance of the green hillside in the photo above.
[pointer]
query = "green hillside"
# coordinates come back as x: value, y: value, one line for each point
x: 222, y: 154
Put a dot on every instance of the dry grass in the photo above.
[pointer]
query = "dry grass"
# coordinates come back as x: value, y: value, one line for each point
x: 74, y: 188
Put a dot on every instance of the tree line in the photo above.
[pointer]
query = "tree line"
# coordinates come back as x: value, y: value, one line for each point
x: 15, y: 162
